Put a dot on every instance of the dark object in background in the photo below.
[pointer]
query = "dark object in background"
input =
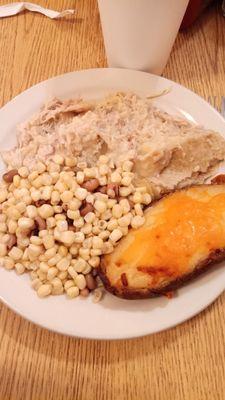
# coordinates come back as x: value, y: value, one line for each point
x: 223, y: 8
x: 194, y: 9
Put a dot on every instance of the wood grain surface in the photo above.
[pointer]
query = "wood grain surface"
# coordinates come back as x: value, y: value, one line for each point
x: 186, y: 362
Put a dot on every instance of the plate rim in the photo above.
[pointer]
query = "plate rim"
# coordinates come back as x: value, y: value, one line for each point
x: 116, y: 337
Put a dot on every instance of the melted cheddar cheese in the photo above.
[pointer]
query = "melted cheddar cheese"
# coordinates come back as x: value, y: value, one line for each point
x: 180, y: 231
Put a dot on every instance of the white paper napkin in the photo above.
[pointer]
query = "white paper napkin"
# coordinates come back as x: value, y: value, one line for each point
x: 15, y: 8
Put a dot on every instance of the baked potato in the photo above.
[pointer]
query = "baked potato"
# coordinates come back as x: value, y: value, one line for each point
x: 183, y: 235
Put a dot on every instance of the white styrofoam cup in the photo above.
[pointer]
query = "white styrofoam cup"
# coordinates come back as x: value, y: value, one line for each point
x: 139, y: 34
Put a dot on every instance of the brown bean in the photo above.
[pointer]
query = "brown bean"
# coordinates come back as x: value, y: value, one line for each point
x: 85, y: 209
x: 11, y: 241
x: 41, y: 223
x: 102, y: 189
x: 90, y: 281
x: 84, y: 292
x: 91, y: 185
x: 8, y: 176
x: 40, y: 203
x: 114, y: 187
x: 72, y: 228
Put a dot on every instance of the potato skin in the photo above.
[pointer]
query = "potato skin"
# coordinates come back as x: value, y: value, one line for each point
x: 125, y: 292
x: 145, y: 293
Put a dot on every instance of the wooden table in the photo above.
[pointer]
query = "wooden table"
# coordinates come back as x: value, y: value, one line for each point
x: 186, y: 362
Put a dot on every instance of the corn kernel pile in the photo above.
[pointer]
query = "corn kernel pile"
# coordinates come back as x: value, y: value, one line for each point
x: 58, y: 219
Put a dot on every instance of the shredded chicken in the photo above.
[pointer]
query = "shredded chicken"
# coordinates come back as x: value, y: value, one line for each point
x: 167, y: 151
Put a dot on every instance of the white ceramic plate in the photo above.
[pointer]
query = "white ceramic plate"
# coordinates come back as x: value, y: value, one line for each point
x: 112, y: 318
